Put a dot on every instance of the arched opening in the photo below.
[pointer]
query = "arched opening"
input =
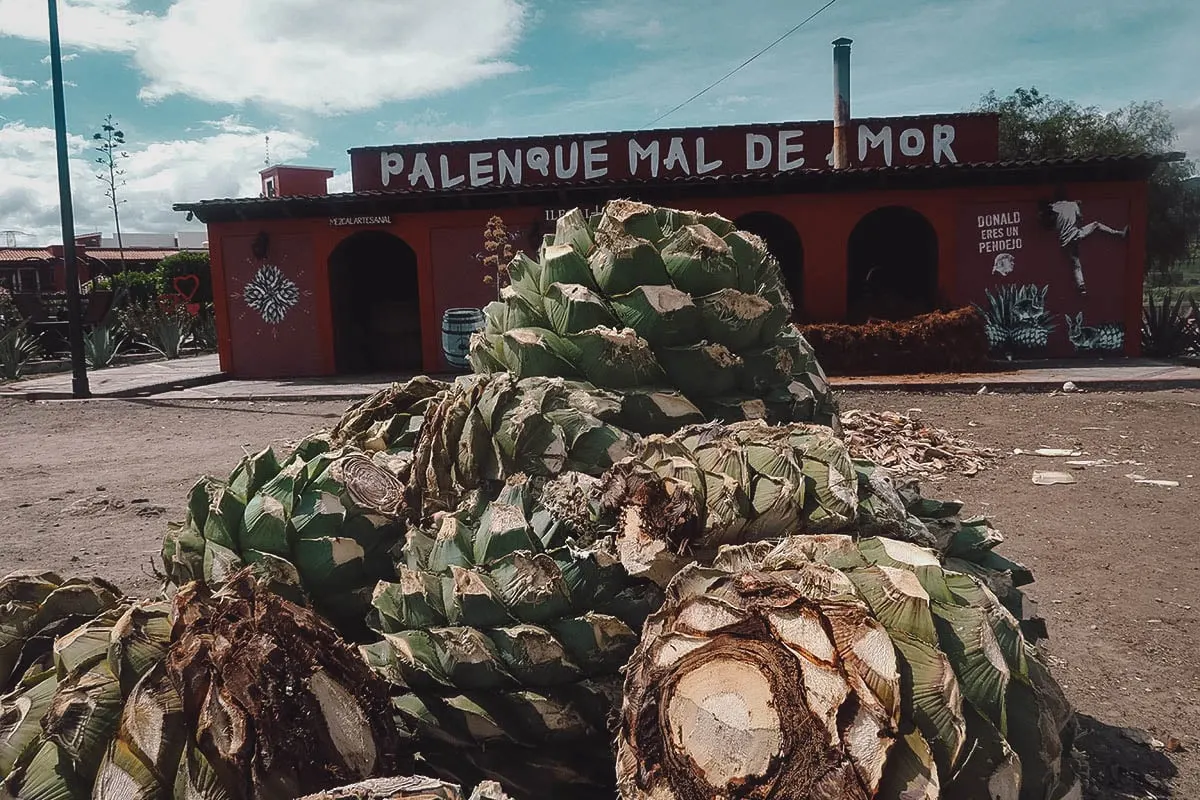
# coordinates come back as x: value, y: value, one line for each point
x: 784, y: 243
x: 374, y: 293
x: 892, y: 266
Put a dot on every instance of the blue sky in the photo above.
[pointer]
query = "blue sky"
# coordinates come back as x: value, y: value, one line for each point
x: 198, y: 84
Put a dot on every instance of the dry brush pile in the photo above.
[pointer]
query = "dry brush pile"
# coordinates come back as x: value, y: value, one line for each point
x: 631, y: 555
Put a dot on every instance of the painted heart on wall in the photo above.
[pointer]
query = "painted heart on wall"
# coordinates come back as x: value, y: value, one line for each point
x: 187, y: 286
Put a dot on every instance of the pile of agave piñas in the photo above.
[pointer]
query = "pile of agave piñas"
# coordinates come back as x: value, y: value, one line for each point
x: 629, y: 556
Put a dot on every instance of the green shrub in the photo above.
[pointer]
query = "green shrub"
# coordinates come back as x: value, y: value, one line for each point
x: 183, y: 264
x: 204, y: 328
x: 161, y: 325
x: 132, y: 287
x: 9, y: 315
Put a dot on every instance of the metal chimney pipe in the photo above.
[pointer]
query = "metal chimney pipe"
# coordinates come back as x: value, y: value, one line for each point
x: 841, y: 103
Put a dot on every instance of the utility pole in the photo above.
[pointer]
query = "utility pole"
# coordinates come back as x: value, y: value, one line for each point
x: 79, y: 377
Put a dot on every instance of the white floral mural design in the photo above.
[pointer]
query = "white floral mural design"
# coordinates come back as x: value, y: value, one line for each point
x: 271, y: 293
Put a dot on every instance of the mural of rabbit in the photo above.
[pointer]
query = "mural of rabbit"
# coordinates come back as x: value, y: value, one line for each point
x: 1105, y: 337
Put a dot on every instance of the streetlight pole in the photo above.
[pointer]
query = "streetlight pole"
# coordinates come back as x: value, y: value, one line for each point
x: 79, y: 377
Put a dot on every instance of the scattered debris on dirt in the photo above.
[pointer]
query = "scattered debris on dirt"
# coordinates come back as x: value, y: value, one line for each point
x: 1103, y: 462
x: 1052, y: 478
x: 1142, y: 480
x: 909, y: 447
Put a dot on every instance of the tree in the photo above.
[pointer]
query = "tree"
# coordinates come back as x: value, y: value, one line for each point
x: 111, y: 145
x: 1034, y: 125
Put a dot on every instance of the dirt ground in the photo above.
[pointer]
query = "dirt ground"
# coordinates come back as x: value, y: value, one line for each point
x: 89, y: 487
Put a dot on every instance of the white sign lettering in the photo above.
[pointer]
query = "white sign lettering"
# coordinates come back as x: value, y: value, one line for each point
x: 676, y: 157
x: 594, y: 159
x: 999, y: 233
x: 787, y: 148
x: 481, y: 169
x: 552, y: 214
x: 943, y: 137
x: 538, y: 159
x: 637, y: 154
x: 566, y: 171
x: 510, y: 167
x: 393, y: 165
x: 867, y: 140
x: 649, y: 156
x: 421, y: 171
x: 704, y: 166
x: 758, y: 151
x: 343, y: 222
x: 911, y: 142
x: 447, y: 181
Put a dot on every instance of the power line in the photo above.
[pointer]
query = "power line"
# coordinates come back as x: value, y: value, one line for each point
x: 745, y: 63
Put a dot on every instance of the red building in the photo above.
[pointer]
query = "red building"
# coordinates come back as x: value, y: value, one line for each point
x: 868, y: 217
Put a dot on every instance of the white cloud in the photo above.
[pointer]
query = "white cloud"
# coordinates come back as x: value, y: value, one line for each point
x: 222, y: 164
x: 310, y: 55
x: 86, y: 24
x: 231, y: 124
x: 326, y: 57
x: 65, y: 58
x: 430, y: 125
x: 622, y: 19
x: 1187, y: 130
x: 11, y: 87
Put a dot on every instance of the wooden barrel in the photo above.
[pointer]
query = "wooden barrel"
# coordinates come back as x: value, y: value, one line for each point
x: 457, y: 326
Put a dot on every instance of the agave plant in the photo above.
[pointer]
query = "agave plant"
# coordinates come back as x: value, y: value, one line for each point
x: 505, y: 643
x: 102, y: 344
x: 17, y: 348
x: 1169, y: 327
x: 221, y: 695
x: 204, y: 328
x: 36, y: 608
x: 320, y: 523
x: 411, y: 788
x: 487, y: 428
x: 640, y: 298
x: 825, y: 667
x: 60, y: 721
x: 680, y: 497
x: 164, y: 326
x: 391, y: 418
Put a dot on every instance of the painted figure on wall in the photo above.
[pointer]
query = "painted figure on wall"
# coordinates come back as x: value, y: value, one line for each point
x: 1105, y: 337
x: 1066, y: 216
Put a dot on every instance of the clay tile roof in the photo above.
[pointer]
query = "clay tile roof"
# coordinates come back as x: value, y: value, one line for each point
x: 1133, y: 166
x: 23, y: 254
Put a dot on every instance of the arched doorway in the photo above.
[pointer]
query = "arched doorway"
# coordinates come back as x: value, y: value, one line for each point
x: 375, y: 297
x: 892, y: 266
x: 784, y: 243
